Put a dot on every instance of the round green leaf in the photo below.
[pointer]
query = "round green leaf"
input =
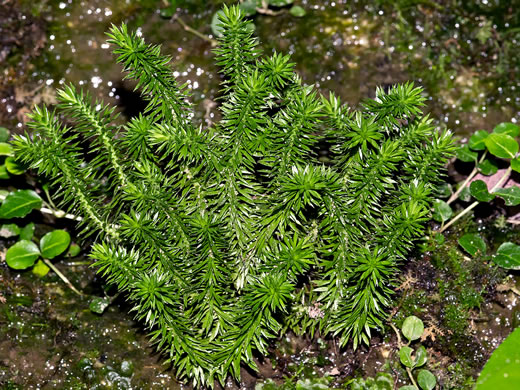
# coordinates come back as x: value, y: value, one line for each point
x: 502, y: 371
x: 465, y: 194
x: 216, y: 27
x: 19, y: 204
x: 466, y: 155
x: 40, y: 269
x: 297, y: 11
x: 22, y: 255
x: 441, y: 210
x: 479, y: 191
x: 9, y: 230
x: 511, y: 195
x: 405, y: 355
x: 501, y: 145
x: 54, y: 243
x: 412, y: 328
x: 508, y: 256
x: 473, y: 244
x: 515, y: 164
x: 426, y: 380
x: 27, y: 232
x: 421, y: 357
x: 74, y: 250
x: 507, y: 128
x: 6, y: 149
x: 408, y: 387
x: 443, y: 190
x: 14, y: 167
x: 476, y: 141
x: 98, y: 305
x: 488, y: 167
x: 4, y: 134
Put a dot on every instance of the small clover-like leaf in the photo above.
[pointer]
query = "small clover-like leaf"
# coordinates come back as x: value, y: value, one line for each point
x: 297, y: 11
x: 508, y: 256
x: 501, y: 145
x: 54, y: 243
x: 507, y: 128
x: 27, y: 232
x: 488, y: 167
x: 405, y: 355
x: 515, y: 164
x: 40, y: 269
x: 477, y: 140
x: 98, y: 305
x: 479, y: 191
x: 511, y: 195
x: 22, y: 255
x: 473, y: 244
x: 20, y: 203
x: 466, y: 155
x: 441, y: 210
x: 426, y: 380
x: 421, y: 357
x: 412, y: 328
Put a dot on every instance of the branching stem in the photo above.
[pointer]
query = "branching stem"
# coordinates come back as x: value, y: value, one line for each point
x: 474, y: 204
x: 62, y: 277
x: 400, y: 345
x: 468, y: 179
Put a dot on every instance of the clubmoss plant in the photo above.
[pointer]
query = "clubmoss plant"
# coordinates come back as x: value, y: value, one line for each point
x: 221, y: 238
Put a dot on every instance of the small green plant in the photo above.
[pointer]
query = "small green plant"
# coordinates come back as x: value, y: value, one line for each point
x: 487, y: 151
x: 223, y: 237
x: 507, y: 255
x: 412, y: 329
x: 18, y: 204
x: 382, y: 381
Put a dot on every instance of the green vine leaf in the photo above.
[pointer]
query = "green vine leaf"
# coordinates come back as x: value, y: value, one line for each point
x: 515, y: 164
x: 19, y: 204
x: 507, y: 128
x: 421, y: 356
x: 405, y: 355
x: 511, y: 195
x: 22, y: 255
x: 488, y: 167
x: 40, y: 269
x: 508, y: 256
x: 98, y: 305
x: 473, y: 244
x: 54, y: 243
x: 441, y: 210
x: 412, y: 328
x: 297, y: 11
x: 477, y: 140
x: 501, y: 145
x: 479, y: 191
x: 426, y: 380
x: 466, y: 155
